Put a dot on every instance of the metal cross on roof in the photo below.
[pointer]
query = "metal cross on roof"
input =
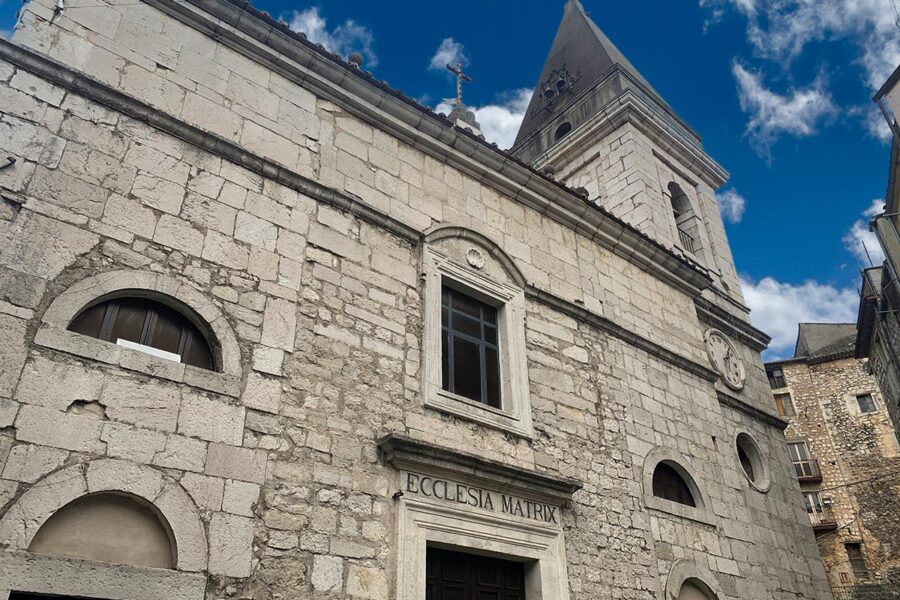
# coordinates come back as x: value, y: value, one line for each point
x: 460, y: 77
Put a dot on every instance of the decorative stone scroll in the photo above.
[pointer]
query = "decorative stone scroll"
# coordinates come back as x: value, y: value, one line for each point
x: 447, y: 498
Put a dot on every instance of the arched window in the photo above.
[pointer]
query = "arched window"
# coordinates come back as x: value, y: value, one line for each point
x: 562, y: 131
x: 684, y: 218
x: 669, y: 484
x: 681, y: 205
x: 149, y: 324
x: 107, y: 527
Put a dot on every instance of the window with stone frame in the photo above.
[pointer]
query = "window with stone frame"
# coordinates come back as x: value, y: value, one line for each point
x: 866, y: 403
x: 776, y: 377
x: 784, y: 406
x: 857, y: 560
x: 475, y: 366
x: 147, y: 325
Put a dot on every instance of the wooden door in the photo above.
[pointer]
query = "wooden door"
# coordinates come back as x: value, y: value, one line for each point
x: 459, y: 576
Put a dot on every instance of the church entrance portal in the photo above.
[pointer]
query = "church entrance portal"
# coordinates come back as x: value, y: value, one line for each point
x: 458, y: 576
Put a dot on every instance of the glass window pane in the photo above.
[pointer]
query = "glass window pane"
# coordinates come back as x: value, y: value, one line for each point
x: 90, y: 321
x: 492, y: 374
x: 465, y: 304
x: 166, y: 331
x: 466, y: 325
x: 490, y: 334
x: 490, y: 314
x: 445, y: 361
x: 129, y: 322
x: 197, y: 352
x: 466, y: 369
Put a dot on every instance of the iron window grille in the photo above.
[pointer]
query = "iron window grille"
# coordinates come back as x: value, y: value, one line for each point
x: 469, y: 348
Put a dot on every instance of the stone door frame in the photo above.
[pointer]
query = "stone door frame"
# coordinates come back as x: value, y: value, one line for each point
x: 451, y: 522
x: 422, y: 524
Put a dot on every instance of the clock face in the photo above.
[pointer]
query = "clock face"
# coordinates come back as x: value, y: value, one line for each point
x: 724, y: 359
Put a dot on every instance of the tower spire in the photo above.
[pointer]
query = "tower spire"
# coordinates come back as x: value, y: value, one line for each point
x: 580, y: 56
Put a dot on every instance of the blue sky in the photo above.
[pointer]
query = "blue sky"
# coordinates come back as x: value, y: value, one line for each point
x: 780, y: 91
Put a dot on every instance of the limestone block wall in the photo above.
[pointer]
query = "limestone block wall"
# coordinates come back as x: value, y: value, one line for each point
x: 859, y: 458
x: 318, y: 313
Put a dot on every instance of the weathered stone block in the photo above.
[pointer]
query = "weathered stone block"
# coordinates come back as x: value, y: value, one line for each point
x: 327, y: 574
x: 54, y: 428
x: 211, y: 420
x: 230, y: 545
x: 231, y: 462
x: 240, y: 497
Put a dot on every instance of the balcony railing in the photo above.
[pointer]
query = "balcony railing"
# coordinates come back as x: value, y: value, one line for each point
x: 808, y: 471
x: 687, y: 241
x: 822, y: 518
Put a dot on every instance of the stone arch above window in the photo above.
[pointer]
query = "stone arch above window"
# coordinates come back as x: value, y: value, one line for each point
x: 189, y: 302
x: 108, y: 527
x: 688, y: 580
x: 52, y: 496
x: 671, y: 485
x: 475, y: 366
x: 458, y: 243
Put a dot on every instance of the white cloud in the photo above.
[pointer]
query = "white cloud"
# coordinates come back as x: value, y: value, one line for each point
x: 450, y: 52
x: 875, y: 124
x: 861, y: 242
x: 732, y: 205
x: 499, y: 121
x: 798, y: 112
x: 777, y: 308
x: 781, y: 29
x: 343, y: 39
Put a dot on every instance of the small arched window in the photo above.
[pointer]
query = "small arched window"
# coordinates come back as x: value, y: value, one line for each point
x: 669, y: 484
x: 148, y: 323
x: 681, y: 204
x: 562, y: 131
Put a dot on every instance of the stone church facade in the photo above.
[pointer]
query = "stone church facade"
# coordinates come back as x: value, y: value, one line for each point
x: 273, y: 330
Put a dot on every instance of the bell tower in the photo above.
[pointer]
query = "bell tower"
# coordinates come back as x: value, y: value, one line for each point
x: 595, y: 123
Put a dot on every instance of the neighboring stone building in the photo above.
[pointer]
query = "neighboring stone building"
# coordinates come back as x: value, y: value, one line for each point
x: 273, y: 330
x: 847, y: 459
x: 878, y: 322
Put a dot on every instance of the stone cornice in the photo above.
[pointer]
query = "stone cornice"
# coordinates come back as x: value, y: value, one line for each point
x: 584, y: 315
x: 751, y: 411
x: 630, y: 107
x: 721, y: 319
x: 404, y: 452
x: 259, y: 37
